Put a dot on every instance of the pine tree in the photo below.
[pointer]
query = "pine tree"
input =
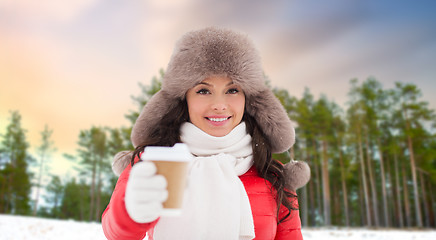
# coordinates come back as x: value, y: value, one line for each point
x: 44, y: 151
x: 15, y: 182
x: 324, y: 114
x: 373, y: 99
x: 305, y: 131
x: 412, y: 114
x: 355, y: 116
x: 146, y: 93
x: 76, y: 200
x: 93, y: 163
x: 340, y: 131
x: 54, y: 196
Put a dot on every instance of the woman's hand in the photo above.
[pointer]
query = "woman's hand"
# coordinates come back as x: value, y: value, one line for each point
x: 145, y: 193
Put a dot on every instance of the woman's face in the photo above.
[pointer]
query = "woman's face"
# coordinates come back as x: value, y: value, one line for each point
x: 216, y: 105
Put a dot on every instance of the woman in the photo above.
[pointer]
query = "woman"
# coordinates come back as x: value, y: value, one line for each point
x: 214, y: 99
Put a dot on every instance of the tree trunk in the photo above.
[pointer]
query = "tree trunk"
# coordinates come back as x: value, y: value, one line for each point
x: 318, y: 189
x: 406, y: 198
x: 312, y: 200
x: 344, y: 189
x: 363, y: 210
x: 97, y: 205
x: 413, y: 169
x: 82, y: 205
x: 304, y: 201
x: 55, y: 207
x: 336, y: 218
x: 382, y: 173
x: 372, y: 183
x: 311, y: 193
x: 326, y: 185
x: 38, y: 186
x: 365, y: 187
x: 415, y: 183
x: 91, y: 205
x: 291, y: 153
x: 390, y: 194
x: 305, y: 208
x: 10, y: 203
x: 432, y: 206
x: 398, y: 193
x: 318, y: 182
x: 2, y: 195
x: 424, y: 200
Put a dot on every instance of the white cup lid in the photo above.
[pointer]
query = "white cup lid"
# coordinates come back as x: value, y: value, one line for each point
x: 178, y: 153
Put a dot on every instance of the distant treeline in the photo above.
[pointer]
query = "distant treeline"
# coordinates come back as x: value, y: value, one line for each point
x: 372, y: 164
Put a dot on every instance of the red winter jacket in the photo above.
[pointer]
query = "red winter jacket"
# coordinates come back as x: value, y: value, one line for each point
x: 118, y: 225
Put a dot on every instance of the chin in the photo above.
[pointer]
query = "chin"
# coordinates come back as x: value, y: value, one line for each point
x: 221, y: 133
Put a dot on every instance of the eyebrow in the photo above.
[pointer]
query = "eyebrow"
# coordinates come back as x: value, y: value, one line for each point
x: 208, y: 84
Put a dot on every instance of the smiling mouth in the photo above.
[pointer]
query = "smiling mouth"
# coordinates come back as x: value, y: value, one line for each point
x: 218, y: 119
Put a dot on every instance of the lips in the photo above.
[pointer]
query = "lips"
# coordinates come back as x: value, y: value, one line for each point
x: 217, y: 119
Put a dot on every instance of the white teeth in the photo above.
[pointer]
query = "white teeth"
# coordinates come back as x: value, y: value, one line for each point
x: 217, y: 119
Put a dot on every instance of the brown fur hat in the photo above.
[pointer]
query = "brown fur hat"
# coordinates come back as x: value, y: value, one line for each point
x: 214, y: 51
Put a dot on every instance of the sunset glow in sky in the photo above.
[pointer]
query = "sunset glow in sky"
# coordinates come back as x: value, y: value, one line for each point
x: 76, y: 64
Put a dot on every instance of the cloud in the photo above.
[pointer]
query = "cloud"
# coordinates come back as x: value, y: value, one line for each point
x: 62, y: 11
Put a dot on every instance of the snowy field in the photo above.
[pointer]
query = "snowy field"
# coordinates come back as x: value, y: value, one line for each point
x: 17, y: 228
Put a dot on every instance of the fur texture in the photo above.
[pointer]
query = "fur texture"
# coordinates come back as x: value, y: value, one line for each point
x: 121, y: 161
x: 213, y: 51
x: 298, y: 174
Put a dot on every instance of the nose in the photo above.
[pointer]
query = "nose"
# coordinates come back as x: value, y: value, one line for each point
x: 219, y: 107
x: 219, y: 104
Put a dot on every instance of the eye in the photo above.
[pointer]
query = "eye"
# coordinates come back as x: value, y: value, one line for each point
x: 203, y: 91
x: 232, y: 91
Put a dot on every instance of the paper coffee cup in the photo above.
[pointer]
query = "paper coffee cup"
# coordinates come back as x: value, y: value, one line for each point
x: 172, y: 163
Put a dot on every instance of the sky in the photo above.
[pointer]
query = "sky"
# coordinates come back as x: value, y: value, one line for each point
x: 72, y: 65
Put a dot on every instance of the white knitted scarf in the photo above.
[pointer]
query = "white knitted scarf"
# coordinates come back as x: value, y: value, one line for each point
x: 216, y: 205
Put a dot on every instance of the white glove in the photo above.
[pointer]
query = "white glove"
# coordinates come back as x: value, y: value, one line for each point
x: 145, y: 193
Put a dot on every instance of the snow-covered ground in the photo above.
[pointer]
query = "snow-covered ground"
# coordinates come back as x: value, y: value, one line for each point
x: 32, y: 228
x: 17, y: 228
x: 361, y: 233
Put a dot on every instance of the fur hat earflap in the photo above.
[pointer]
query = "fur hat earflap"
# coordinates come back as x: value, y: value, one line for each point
x: 214, y: 51
x: 121, y: 161
x: 298, y: 174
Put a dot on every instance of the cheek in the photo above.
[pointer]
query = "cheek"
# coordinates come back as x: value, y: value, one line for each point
x: 194, y: 108
x: 239, y: 105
